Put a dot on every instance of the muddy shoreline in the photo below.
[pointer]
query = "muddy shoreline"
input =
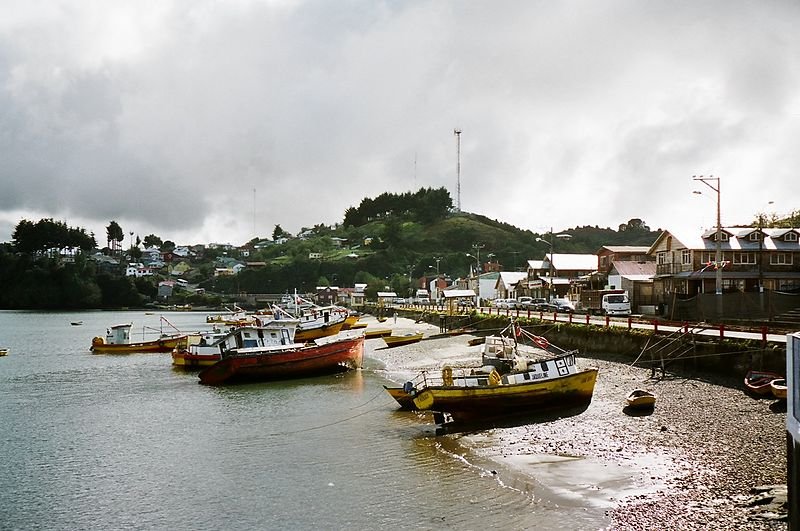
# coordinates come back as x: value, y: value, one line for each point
x: 691, y: 463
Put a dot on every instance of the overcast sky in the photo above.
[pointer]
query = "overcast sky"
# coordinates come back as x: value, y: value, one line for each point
x: 205, y: 121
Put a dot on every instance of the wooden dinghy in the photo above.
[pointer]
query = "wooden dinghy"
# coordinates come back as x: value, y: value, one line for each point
x: 397, y: 341
x: 376, y: 333
x: 641, y: 399
x: 758, y: 382
x: 778, y: 388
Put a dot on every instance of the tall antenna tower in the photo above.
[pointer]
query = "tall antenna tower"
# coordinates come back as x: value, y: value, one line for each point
x: 457, y: 132
x: 254, y: 212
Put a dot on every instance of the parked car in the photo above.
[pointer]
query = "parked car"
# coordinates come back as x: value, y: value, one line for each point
x: 560, y: 305
x: 530, y: 303
x: 505, y: 304
x: 465, y: 303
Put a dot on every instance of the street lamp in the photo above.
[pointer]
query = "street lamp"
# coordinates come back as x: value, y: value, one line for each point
x: 550, y: 243
x: 438, y: 259
x: 718, y: 237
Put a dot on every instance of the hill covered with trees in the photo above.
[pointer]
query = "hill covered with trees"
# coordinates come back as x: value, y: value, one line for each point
x: 388, y: 241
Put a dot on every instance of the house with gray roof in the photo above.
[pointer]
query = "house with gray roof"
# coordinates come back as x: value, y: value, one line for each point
x: 752, y: 261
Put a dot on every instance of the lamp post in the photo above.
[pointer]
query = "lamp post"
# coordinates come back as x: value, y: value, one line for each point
x: 437, y: 259
x: 718, y: 237
x: 550, y: 243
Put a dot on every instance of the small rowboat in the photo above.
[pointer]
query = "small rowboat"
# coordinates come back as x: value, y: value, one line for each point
x: 3, y: 351
x: 758, y: 382
x: 778, y: 388
x: 374, y: 333
x: 396, y: 341
x: 641, y: 399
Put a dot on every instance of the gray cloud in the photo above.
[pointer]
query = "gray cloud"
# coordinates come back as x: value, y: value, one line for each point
x: 167, y: 119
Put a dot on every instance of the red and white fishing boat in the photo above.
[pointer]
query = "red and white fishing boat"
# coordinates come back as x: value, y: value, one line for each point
x: 242, y: 360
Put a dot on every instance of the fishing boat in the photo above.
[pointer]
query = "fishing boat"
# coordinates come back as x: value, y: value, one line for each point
x: 517, y: 349
x: 758, y: 382
x: 478, y: 395
x: 398, y: 341
x: 377, y: 332
x: 199, y: 351
x: 270, y: 351
x: 235, y: 317
x: 517, y: 383
x: 403, y: 395
x: 314, y: 321
x: 118, y: 341
x: 778, y: 388
x: 3, y: 351
x: 640, y: 399
x: 351, y: 322
x: 325, y: 355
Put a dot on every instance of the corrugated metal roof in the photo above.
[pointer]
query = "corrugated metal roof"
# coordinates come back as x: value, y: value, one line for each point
x: 634, y: 268
x: 452, y: 293
x: 510, y: 278
x: 575, y: 262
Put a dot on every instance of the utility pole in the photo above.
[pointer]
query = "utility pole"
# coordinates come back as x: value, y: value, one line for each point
x: 718, y: 262
x: 457, y: 132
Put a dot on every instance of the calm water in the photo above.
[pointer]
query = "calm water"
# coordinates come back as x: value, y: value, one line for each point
x: 124, y: 441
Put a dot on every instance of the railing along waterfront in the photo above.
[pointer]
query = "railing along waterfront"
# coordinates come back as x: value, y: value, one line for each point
x: 656, y: 325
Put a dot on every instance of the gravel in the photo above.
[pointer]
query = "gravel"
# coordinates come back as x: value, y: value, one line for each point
x: 699, y: 460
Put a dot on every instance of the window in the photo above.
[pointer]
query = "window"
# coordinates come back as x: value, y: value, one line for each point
x: 754, y: 236
x: 780, y: 259
x: 686, y: 256
x: 744, y: 258
x: 661, y: 258
x: 790, y: 237
x: 723, y: 237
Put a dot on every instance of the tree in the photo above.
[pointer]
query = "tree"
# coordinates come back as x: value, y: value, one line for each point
x: 115, y: 236
x: 278, y: 232
x: 151, y: 240
x: 49, y: 236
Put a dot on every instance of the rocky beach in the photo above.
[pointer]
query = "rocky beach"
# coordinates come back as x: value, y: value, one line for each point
x: 708, y: 456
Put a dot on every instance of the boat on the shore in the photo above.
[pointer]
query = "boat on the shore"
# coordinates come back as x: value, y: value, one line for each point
x: 778, y: 388
x: 351, y: 322
x: 398, y: 341
x: 235, y: 317
x: 118, y: 341
x: 241, y: 360
x: 508, y: 383
x: 480, y: 396
x: 640, y: 399
x: 377, y: 332
x: 402, y: 395
x: 758, y: 382
x: 200, y: 351
x: 315, y: 321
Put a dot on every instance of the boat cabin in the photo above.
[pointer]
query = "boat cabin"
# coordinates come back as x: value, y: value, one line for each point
x: 270, y: 334
x: 119, y: 334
